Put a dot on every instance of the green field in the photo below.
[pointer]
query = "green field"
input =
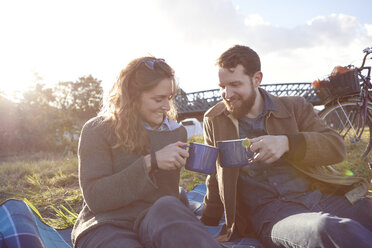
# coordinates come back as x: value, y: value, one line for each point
x: 50, y: 183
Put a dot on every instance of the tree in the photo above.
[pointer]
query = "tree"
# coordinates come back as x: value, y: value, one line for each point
x: 37, y: 120
x: 82, y: 99
x: 8, y: 126
x: 79, y: 101
x: 48, y: 119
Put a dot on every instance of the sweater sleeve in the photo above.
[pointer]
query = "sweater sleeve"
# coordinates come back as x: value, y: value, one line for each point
x: 102, y: 189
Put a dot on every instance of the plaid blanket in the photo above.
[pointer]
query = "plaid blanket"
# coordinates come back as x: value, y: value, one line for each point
x: 195, y: 198
x: 19, y: 226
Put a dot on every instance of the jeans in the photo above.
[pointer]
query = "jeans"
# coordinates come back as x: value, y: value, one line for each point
x: 168, y: 223
x: 333, y: 222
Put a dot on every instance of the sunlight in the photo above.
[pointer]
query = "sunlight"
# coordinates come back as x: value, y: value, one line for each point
x: 50, y: 48
x: 101, y: 38
x: 13, y: 81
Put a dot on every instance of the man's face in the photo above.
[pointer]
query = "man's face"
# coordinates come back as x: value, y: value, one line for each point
x: 237, y: 90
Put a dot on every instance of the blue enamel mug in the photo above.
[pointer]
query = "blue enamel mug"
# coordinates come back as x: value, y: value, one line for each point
x: 232, y: 153
x: 202, y: 158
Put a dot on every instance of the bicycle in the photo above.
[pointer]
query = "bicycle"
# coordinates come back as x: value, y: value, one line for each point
x: 348, y: 107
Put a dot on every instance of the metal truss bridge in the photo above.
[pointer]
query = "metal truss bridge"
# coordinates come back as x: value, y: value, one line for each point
x: 194, y: 104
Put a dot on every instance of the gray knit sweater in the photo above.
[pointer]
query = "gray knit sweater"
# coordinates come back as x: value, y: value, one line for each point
x: 116, y: 186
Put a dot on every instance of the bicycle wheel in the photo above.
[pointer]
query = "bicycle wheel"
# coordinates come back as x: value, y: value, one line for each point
x: 347, y: 119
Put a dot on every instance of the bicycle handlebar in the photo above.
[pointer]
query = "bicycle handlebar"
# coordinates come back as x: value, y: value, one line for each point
x: 367, y: 51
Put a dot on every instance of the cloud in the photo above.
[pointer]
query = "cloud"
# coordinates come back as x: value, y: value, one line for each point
x: 334, y: 30
x: 368, y: 28
x: 337, y: 29
x: 203, y: 21
x: 218, y: 20
x: 255, y: 20
x: 202, y: 30
x: 101, y: 38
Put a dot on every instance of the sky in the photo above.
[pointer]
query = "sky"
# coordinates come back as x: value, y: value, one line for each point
x: 298, y: 41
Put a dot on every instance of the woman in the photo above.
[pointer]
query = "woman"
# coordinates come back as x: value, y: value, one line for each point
x: 129, y: 162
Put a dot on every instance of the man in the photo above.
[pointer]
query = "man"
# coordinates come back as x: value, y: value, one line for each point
x: 284, y: 195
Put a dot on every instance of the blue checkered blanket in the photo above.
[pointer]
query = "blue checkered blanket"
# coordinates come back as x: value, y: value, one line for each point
x: 19, y: 226
x: 195, y: 198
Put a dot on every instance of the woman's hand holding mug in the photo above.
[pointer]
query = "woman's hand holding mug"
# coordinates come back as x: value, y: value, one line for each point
x: 170, y: 157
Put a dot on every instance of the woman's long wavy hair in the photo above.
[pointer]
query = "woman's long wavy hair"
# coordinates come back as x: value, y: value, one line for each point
x: 122, y: 107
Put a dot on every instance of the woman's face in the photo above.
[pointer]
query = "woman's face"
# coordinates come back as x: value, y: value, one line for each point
x: 154, y: 103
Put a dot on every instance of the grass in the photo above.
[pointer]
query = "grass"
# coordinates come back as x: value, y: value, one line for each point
x: 50, y: 186
x: 354, y: 164
x: 49, y: 183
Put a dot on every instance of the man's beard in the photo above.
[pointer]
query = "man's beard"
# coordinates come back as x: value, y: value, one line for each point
x: 244, y: 108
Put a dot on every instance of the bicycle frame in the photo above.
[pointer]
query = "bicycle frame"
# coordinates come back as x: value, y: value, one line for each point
x: 366, y: 86
x: 363, y: 99
x: 364, y: 96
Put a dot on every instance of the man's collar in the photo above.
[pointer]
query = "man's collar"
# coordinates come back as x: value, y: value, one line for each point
x: 280, y: 110
x: 276, y: 107
x: 269, y: 104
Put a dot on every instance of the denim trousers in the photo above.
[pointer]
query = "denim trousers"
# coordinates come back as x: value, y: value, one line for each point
x: 333, y: 222
x: 168, y: 223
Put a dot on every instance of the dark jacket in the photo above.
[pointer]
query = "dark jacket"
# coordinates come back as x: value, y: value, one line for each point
x: 316, y: 146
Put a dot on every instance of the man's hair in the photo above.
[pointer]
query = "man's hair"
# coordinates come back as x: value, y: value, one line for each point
x: 243, y: 55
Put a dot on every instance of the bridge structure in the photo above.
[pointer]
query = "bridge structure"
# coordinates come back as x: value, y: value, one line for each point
x: 194, y: 104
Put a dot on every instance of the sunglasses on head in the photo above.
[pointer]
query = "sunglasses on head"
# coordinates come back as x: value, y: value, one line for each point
x: 149, y: 63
